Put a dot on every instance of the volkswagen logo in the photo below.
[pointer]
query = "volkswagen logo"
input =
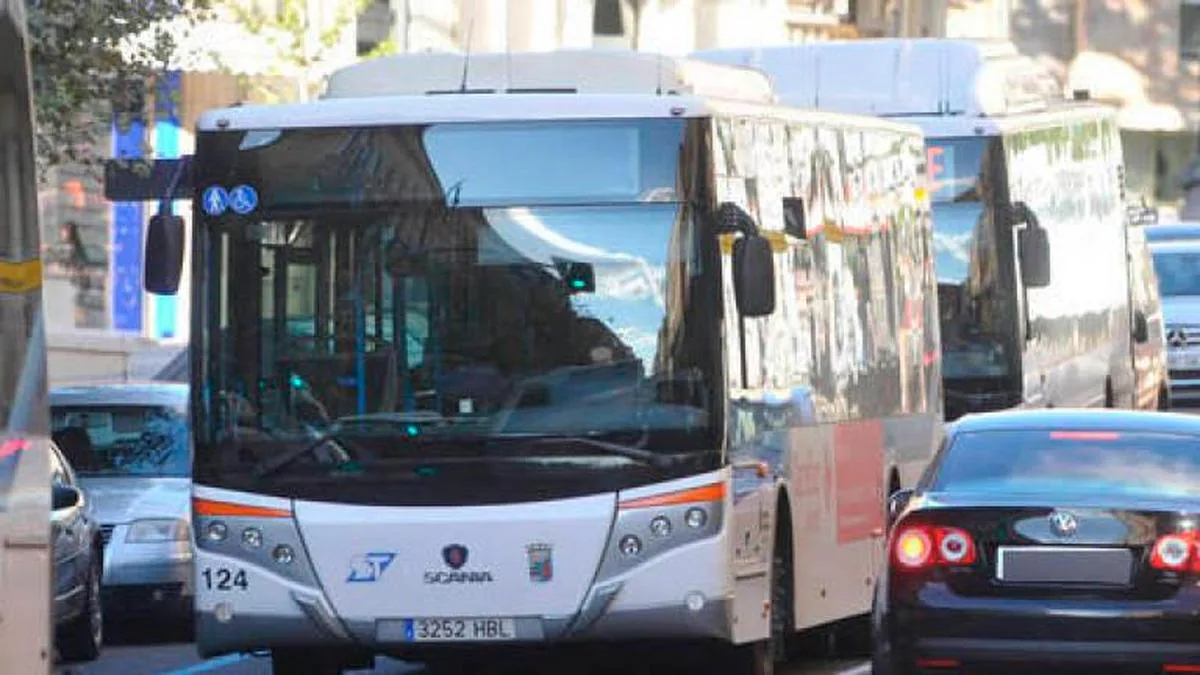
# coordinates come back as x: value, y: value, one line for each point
x: 455, y: 556
x: 1177, y: 337
x: 1063, y: 524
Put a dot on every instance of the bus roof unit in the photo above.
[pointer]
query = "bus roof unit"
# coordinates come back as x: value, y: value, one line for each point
x: 564, y: 71
x: 899, y: 77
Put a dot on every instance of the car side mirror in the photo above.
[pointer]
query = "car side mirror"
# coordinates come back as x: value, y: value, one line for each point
x: 1033, y: 245
x: 164, y: 254
x: 65, y: 497
x: 897, y: 502
x: 1141, y: 327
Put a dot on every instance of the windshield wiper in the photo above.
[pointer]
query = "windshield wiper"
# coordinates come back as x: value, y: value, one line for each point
x: 274, y: 464
x: 618, y: 449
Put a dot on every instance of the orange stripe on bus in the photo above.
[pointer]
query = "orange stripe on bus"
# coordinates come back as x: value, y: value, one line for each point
x: 209, y: 507
x: 707, y: 493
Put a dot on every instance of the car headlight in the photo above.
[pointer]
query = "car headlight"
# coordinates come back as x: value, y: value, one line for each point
x: 157, y: 530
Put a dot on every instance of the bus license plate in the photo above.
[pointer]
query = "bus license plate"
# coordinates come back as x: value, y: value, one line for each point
x: 456, y: 630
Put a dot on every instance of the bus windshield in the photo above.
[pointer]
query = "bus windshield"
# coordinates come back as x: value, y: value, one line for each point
x: 373, y: 318
x: 967, y: 263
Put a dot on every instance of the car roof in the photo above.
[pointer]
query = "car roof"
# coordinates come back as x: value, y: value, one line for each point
x: 1171, y: 231
x: 1096, y: 419
x: 117, y: 393
x: 1175, y: 245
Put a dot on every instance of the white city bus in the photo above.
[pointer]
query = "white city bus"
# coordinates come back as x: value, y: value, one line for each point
x: 1028, y: 207
x: 25, y: 623
x: 544, y: 349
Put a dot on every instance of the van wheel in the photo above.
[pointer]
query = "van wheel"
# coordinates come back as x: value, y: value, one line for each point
x: 82, y: 638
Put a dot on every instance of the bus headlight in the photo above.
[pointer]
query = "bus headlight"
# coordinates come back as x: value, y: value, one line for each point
x: 283, y: 554
x: 252, y: 537
x: 216, y: 531
x: 660, y: 526
x: 649, y: 525
x: 264, y: 537
x: 157, y: 530
x: 630, y: 545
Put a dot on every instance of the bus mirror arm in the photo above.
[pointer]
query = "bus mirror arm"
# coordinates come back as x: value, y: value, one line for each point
x: 753, y: 262
x: 165, y: 236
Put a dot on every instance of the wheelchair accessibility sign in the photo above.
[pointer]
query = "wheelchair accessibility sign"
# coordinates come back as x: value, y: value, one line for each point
x: 241, y: 199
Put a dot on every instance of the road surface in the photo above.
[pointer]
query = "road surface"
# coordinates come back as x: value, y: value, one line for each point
x: 143, y: 654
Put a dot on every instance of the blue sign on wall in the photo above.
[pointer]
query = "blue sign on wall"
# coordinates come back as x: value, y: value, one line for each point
x: 128, y: 219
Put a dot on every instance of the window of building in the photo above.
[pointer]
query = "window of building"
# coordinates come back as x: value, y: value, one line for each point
x: 607, y: 19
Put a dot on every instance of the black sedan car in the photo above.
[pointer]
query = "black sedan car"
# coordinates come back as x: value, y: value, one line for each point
x: 78, y: 565
x: 1043, y: 539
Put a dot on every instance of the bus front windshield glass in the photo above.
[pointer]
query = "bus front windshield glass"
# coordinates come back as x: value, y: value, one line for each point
x: 449, y: 297
x: 967, y: 264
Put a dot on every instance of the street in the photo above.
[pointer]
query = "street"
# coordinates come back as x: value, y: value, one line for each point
x: 140, y: 654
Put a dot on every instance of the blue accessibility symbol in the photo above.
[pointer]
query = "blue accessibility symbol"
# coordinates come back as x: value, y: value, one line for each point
x: 215, y: 200
x: 243, y: 199
x: 370, y: 567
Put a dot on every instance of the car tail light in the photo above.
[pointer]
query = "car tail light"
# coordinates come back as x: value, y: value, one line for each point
x: 914, y: 548
x: 955, y: 546
x: 920, y: 546
x: 1174, y: 552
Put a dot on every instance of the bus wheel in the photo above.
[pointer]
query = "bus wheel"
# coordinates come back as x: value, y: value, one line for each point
x: 297, y: 661
x: 761, y: 658
x: 749, y: 659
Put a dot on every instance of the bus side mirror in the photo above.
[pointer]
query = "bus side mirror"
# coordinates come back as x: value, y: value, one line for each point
x: 1033, y: 247
x: 754, y: 276
x: 164, y: 254
x: 753, y: 261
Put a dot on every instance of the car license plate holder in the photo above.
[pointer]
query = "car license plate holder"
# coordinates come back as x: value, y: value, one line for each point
x: 460, y: 629
x: 1068, y: 565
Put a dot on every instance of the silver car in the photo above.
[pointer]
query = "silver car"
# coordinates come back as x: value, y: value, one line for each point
x: 1177, y: 263
x: 131, y: 449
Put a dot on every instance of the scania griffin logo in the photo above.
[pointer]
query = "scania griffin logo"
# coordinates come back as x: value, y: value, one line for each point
x: 1177, y: 337
x: 455, y: 556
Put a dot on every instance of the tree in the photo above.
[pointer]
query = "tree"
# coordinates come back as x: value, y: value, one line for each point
x: 88, y: 67
x: 303, y: 48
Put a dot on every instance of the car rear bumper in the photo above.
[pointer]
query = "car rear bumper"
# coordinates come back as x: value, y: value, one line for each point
x: 940, y: 627
x: 941, y: 653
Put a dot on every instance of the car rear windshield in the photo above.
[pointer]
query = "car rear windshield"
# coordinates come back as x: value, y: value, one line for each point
x: 1101, y: 462
x: 123, y: 440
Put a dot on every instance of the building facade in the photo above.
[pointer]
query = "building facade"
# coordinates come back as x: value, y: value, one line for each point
x: 1123, y: 52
